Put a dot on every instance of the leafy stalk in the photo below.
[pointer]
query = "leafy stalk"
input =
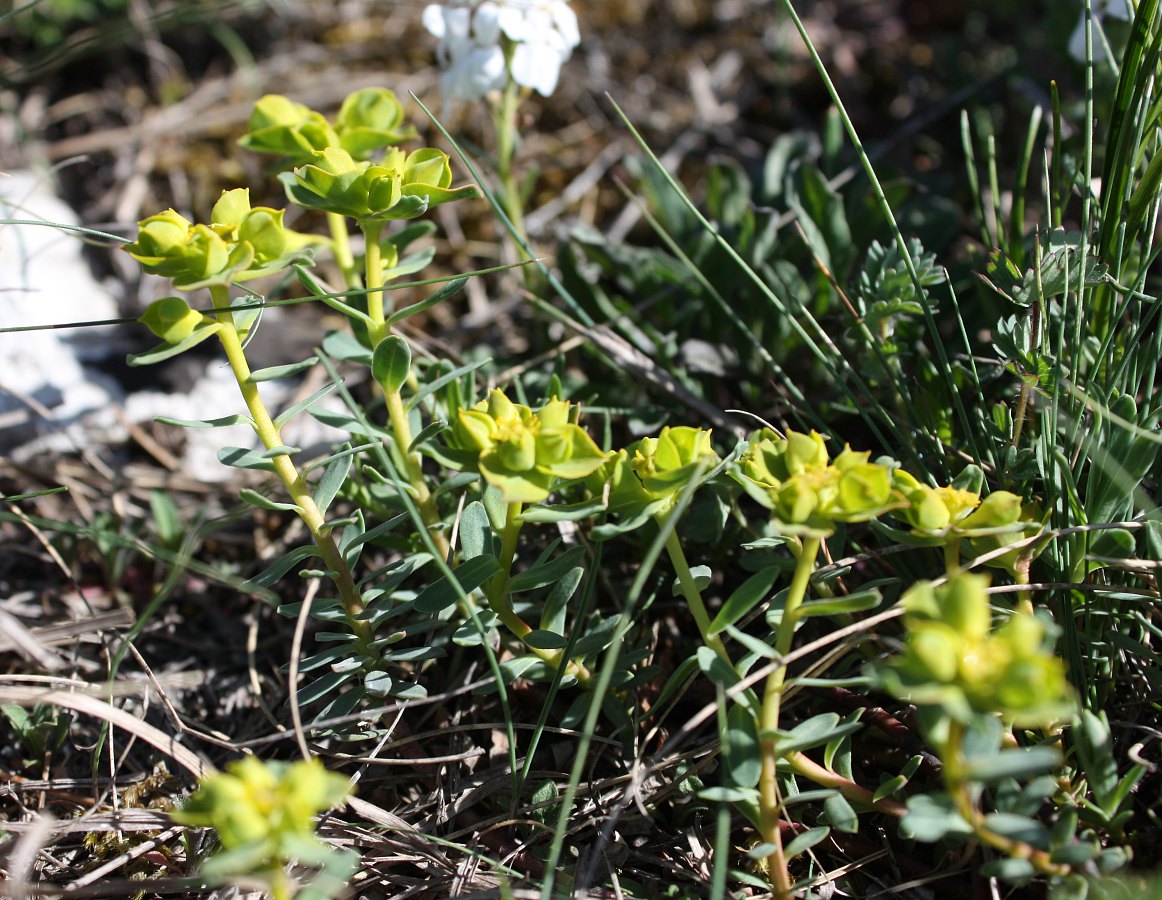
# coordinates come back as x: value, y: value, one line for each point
x: 284, y: 467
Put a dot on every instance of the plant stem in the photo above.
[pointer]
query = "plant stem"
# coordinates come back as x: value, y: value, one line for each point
x: 952, y: 759
x: 496, y: 590
x: 284, y: 467
x: 373, y: 279
x: 770, y: 805
x: 341, y: 247
x: 400, y: 426
x: 691, y: 593
x: 506, y: 141
x: 952, y: 554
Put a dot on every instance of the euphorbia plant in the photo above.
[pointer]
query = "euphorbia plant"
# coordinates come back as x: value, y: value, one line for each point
x: 239, y: 243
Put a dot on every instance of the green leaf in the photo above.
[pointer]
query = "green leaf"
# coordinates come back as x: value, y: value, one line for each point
x: 476, y: 537
x: 470, y: 575
x: 391, y: 363
x: 1018, y: 828
x: 545, y: 640
x: 272, y: 372
x: 451, y: 289
x: 429, y: 431
x: 332, y: 299
x: 930, y: 818
x: 1015, y: 870
x: 557, y: 603
x: 431, y: 387
x: 801, y: 843
x: 241, y: 458
x: 702, y: 576
x: 346, y: 422
x: 162, y: 352
x: 742, y: 750
x: 256, y: 499
x: 813, y: 732
x: 547, y: 573
x: 334, y: 475
x: 729, y: 795
x: 345, y: 346
x: 1019, y: 763
x: 889, y: 788
x: 840, y: 815
x: 277, y: 569
x: 565, y: 512
x: 833, y: 606
x: 205, y: 423
x: 320, y: 687
x: 378, y: 684
x: 292, y: 411
x: 750, y: 593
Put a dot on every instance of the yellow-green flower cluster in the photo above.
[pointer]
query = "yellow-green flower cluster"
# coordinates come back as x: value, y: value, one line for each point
x: 953, y: 658
x: 400, y: 186
x: 241, y: 242
x: 806, y: 490
x: 368, y: 121
x: 524, y: 453
x: 648, y: 476
x: 264, y: 805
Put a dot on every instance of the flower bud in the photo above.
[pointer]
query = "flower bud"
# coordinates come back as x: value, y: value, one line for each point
x: 161, y: 243
x: 263, y: 230
x: 171, y: 319
x: 369, y: 120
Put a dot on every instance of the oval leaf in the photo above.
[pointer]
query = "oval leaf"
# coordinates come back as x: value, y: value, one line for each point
x: 391, y: 363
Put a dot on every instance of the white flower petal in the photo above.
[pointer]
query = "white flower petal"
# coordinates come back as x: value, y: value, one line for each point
x: 433, y: 19
x: 485, y: 28
x: 536, y: 66
x: 475, y: 74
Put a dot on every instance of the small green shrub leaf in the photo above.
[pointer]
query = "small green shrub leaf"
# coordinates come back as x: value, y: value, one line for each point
x: 1020, y: 763
x: 272, y: 372
x: 205, y: 423
x: 451, y: 289
x: 277, y: 569
x: 930, y: 818
x: 345, y: 346
x: 443, y: 593
x: 801, y: 843
x: 256, y: 499
x: 743, y: 753
x: 545, y: 640
x: 547, y: 573
x: 840, y: 815
x: 290, y: 412
x: 334, y: 475
x: 391, y: 363
x: 750, y: 593
x: 833, y: 606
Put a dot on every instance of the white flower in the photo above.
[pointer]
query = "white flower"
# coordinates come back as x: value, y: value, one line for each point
x: 1111, y: 9
x: 474, y: 36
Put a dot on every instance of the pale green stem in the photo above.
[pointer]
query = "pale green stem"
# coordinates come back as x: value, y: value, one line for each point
x: 506, y: 141
x: 401, y: 428
x: 341, y: 247
x: 956, y: 782
x: 1021, y: 576
x: 373, y: 280
x: 770, y: 805
x: 952, y: 554
x: 496, y: 590
x: 280, y: 887
x: 284, y: 467
x: 691, y: 593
